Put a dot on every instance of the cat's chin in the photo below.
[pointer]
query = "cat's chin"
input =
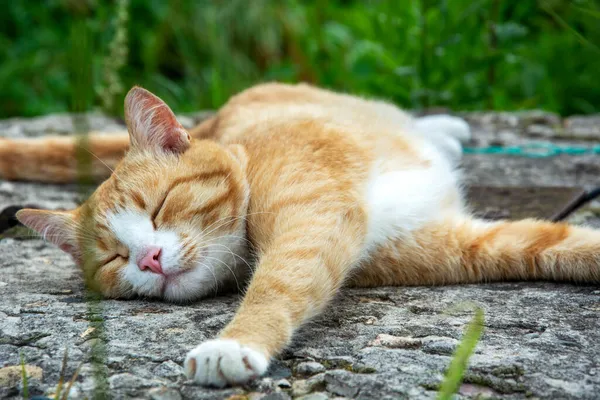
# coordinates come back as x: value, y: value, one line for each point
x: 187, y: 285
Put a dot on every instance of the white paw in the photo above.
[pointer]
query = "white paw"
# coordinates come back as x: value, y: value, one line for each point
x: 445, y: 124
x: 222, y: 361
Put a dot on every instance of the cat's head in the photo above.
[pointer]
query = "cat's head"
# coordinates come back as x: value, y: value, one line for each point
x: 169, y: 222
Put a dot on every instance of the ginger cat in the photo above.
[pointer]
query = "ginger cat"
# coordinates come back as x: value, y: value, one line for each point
x: 302, y: 190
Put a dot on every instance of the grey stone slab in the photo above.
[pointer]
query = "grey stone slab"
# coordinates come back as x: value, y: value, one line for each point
x: 541, y: 340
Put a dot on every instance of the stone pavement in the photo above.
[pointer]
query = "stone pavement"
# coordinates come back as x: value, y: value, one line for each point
x: 541, y: 340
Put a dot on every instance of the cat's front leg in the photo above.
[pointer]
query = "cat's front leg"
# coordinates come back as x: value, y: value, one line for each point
x: 299, y: 273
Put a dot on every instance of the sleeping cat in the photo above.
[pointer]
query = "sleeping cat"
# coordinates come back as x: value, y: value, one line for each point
x: 298, y: 189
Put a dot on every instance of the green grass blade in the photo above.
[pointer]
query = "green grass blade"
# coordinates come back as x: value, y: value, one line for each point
x: 70, y: 385
x: 61, y: 378
x: 456, y: 370
x: 82, y: 83
x: 24, y: 376
x: 582, y: 39
x: 588, y: 11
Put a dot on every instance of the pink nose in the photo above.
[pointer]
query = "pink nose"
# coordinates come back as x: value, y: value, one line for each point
x: 150, y: 259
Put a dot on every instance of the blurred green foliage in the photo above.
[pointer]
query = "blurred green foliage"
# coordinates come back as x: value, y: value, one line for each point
x: 461, y: 54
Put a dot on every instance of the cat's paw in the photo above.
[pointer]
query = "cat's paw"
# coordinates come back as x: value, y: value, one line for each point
x: 223, y: 361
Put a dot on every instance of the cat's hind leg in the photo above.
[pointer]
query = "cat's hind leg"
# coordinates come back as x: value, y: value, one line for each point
x: 465, y: 250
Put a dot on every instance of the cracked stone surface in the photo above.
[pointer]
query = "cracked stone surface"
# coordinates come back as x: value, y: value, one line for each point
x: 541, y: 340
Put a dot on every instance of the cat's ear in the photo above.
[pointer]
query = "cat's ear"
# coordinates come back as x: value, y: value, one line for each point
x: 152, y: 125
x: 57, y: 227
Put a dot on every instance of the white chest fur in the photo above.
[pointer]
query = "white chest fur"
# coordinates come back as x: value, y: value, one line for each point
x: 400, y: 202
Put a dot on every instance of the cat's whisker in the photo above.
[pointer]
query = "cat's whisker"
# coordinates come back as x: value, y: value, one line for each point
x: 229, y: 268
x: 237, y: 256
x: 198, y: 238
x: 219, y: 238
x: 209, y: 243
x: 225, y: 221
x: 229, y: 235
x: 203, y: 233
x: 228, y: 251
x: 234, y: 218
x: 97, y: 158
x: 214, y: 276
x: 47, y: 235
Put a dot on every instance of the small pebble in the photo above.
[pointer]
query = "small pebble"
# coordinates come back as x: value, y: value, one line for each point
x: 303, y: 387
x: 284, y: 384
x: 309, y: 368
x: 164, y: 393
x: 533, y: 335
x: 314, y: 396
x: 7, y: 187
x: 276, y: 396
x: 169, y: 369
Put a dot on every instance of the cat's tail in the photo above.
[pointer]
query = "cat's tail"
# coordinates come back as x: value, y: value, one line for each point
x: 463, y: 250
x: 55, y: 158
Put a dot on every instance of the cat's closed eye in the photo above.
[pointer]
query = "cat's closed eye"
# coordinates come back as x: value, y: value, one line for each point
x: 122, y: 252
x: 111, y: 259
x: 159, y: 207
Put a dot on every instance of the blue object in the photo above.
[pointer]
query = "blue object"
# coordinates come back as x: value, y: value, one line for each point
x: 534, y: 150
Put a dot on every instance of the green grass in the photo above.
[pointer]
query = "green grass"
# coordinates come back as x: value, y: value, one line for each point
x: 462, y: 54
x: 61, y: 380
x: 81, y: 55
x: 458, y: 365
x: 60, y: 393
x: 24, y: 378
